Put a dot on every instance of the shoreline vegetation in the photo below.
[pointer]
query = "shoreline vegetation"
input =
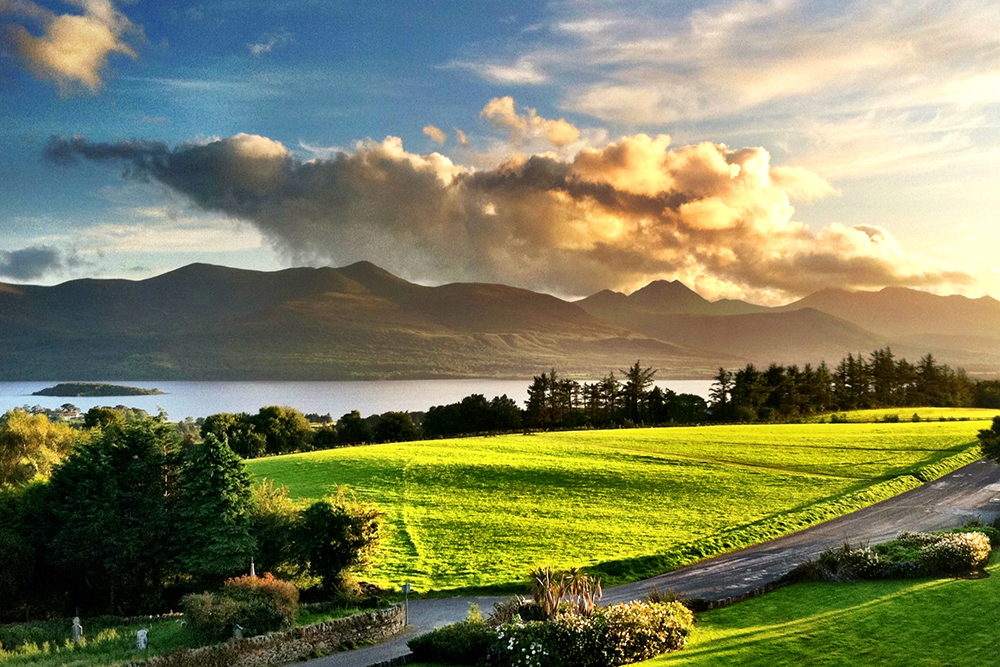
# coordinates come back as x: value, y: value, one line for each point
x: 94, y: 389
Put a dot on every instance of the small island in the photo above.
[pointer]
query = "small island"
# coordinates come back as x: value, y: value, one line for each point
x: 76, y: 389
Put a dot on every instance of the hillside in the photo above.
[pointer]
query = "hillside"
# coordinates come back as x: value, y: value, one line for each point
x: 826, y: 325
x: 672, y: 312
x: 356, y: 322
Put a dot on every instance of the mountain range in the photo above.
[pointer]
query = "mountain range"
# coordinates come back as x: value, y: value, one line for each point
x: 361, y: 322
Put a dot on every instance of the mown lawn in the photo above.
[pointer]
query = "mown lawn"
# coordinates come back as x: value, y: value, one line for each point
x: 479, y: 512
x: 930, y: 623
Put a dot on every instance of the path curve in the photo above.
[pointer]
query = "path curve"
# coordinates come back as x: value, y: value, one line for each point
x: 970, y: 491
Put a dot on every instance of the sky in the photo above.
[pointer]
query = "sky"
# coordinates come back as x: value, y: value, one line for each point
x: 755, y: 150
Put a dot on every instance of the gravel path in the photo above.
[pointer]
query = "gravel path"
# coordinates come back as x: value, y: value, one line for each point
x: 971, y: 491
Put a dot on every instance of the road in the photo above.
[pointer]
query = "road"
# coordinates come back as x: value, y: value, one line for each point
x: 971, y: 491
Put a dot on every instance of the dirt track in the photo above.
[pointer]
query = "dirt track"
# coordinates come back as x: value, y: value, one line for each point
x: 948, y: 502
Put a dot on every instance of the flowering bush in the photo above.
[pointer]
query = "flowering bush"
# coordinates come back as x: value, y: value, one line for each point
x: 258, y: 604
x: 956, y: 552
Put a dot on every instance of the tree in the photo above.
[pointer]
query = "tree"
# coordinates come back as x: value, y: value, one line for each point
x: 395, y: 427
x: 719, y: 394
x: 637, y: 382
x: 238, y: 431
x: 102, y: 417
x: 352, y: 428
x: 30, y: 445
x: 334, y: 536
x: 285, y: 429
x: 213, y: 513
x: 108, y: 534
x: 273, y: 525
x: 989, y: 440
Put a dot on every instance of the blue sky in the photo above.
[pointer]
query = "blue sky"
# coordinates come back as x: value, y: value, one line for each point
x: 874, y: 129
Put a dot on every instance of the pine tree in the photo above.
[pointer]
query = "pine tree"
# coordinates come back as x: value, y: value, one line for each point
x: 213, y: 513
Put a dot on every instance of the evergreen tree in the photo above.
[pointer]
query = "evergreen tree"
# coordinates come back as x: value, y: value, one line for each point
x: 213, y: 514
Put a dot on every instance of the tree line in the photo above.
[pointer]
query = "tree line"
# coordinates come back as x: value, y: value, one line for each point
x: 856, y: 383
x: 134, y: 516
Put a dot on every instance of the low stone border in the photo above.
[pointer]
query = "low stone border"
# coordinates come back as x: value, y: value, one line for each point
x: 288, y: 646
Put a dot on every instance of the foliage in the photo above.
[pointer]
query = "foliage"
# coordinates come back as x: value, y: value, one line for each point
x: 257, y: 604
x: 273, y: 522
x: 573, y: 591
x: 394, y: 427
x: 353, y: 429
x: 956, y: 552
x: 482, y: 511
x: 102, y: 417
x: 273, y: 430
x: 909, y: 555
x: 780, y: 393
x: 616, y: 635
x: 463, y: 643
x: 213, y: 513
x: 989, y: 440
x: 30, y: 445
x: 334, y: 536
x: 106, y: 517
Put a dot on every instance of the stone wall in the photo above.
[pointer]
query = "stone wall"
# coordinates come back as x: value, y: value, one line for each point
x: 287, y: 646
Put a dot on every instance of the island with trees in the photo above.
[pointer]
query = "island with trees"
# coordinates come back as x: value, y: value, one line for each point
x: 95, y: 389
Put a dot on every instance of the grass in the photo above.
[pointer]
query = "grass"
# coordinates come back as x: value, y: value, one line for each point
x: 479, y: 513
x: 104, y: 644
x: 887, y: 623
x: 107, y: 645
x: 906, y: 414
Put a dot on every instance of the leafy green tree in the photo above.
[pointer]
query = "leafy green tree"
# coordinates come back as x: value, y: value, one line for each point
x: 989, y: 440
x: 395, y: 427
x: 273, y: 524
x: 30, y: 445
x: 335, y: 536
x: 102, y: 417
x: 238, y: 431
x: 107, y: 518
x: 213, y: 513
x: 284, y: 429
x: 352, y: 428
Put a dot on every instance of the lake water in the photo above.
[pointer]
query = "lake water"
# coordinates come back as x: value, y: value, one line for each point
x: 198, y: 399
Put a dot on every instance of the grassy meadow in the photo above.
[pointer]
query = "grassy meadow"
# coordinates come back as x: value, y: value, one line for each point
x: 906, y: 414
x: 481, y: 512
x: 887, y: 623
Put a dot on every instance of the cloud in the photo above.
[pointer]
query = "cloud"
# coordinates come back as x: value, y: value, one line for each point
x: 436, y: 134
x: 522, y: 72
x: 812, y: 67
x: 501, y: 112
x: 73, y: 49
x: 612, y: 216
x: 270, y: 42
x: 31, y: 263
x: 461, y: 137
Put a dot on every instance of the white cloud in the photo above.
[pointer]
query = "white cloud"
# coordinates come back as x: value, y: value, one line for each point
x: 74, y: 48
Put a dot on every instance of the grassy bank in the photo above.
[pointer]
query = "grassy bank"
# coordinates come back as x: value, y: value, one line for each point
x: 887, y: 623
x: 480, y: 512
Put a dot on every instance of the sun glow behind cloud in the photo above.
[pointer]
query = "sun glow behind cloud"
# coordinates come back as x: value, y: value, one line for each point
x: 613, y: 215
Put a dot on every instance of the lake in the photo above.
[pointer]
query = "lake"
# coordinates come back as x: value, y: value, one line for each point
x: 198, y: 399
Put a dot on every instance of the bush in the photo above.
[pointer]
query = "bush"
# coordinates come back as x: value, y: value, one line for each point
x: 615, y: 635
x: 258, y: 604
x: 956, y: 552
x: 464, y: 643
x: 917, y: 539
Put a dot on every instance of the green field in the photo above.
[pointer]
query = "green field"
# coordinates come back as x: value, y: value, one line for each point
x: 906, y: 414
x: 479, y: 512
x: 886, y: 623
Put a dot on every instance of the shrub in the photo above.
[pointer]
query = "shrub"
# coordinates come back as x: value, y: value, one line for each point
x: 956, y: 552
x: 464, y: 643
x: 638, y: 631
x: 917, y: 539
x: 505, y: 611
x: 258, y: 604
